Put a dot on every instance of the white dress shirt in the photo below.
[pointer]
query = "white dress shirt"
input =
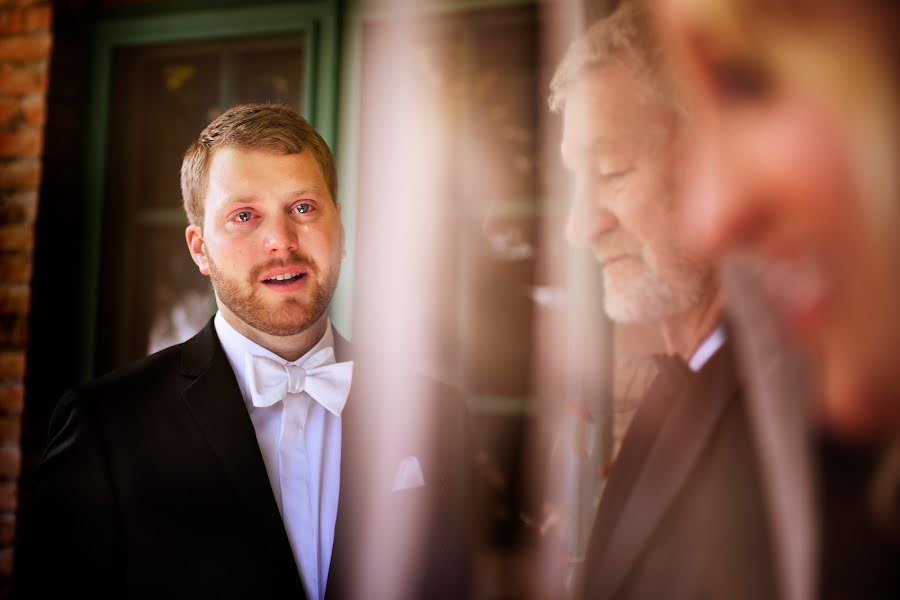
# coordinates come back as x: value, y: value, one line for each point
x: 309, y: 500
x: 707, y: 348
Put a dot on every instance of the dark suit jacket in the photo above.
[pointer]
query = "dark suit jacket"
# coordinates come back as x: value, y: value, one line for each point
x: 153, y: 485
x: 860, y: 557
x: 682, y: 515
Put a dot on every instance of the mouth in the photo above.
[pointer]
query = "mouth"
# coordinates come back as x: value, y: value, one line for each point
x: 285, y: 279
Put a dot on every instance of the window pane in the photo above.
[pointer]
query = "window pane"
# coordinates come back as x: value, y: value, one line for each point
x: 172, y: 93
x: 172, y: 300
x: 271, y: 74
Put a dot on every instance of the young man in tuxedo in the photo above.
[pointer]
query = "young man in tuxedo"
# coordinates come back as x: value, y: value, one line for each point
x: 682, y: 514
x: 234, y: 465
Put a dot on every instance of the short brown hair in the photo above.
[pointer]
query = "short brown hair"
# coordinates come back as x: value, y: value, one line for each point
x: 272, y: 127
x: 625, y: 36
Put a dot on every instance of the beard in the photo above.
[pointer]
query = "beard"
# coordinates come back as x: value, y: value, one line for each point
x: 287, y: 316
x: 643, y: 295
x: 648, y: 298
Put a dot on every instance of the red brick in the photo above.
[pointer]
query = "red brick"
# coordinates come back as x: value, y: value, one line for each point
x: 6, y: 562
x: 20, y: 174
x: 25, y: 47
x: 7, y: 532
x: 10, y: 112
x: 10, y: 460
x: 12, y: 20
x: 17, y: 237
x: 12, y: 366
x: 11, y: 400
x: 24, y: 20
x: 25, y: 3
x: 23, y: 79
x: 10, y: 429
x: 13, y: 331
x: 34, y: 109
x: 15, y: 111
x: 9, y: 493
x: 24, y: 142
x: 15, y: 267
x: 10, y: 213
x: 7, y: 529
x: 18, y: 208
x: 39, y: 18
x: 15, y: 299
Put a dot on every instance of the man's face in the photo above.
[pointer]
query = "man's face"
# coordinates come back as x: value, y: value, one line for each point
x: 272, y: 239
x: 618, y: 143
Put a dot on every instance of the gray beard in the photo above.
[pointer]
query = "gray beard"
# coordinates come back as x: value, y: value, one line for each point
x: 650, y: 299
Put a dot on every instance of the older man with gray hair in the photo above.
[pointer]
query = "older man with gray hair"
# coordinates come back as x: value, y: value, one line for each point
x: 682, y: 514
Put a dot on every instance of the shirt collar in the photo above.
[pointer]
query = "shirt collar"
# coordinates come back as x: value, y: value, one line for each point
x: 708, y: 348
x: 236, y: 345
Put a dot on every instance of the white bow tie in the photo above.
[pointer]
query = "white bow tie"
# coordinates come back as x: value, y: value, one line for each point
x: 326, y: 381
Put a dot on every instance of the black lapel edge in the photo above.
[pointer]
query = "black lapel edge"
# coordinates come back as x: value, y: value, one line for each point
x: 668, y: 466
x: 214, y: 401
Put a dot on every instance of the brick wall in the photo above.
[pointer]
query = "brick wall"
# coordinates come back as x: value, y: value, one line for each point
x: 25, y: 45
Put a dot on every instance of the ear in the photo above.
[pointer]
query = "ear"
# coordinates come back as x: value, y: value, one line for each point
x: 194, y: 237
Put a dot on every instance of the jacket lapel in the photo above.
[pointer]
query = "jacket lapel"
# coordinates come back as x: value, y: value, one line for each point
x: 214, y: 400
x: 639, y: 439
x: 684, y: 433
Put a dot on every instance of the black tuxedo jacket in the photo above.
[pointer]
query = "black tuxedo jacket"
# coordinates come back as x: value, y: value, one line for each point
x: 153, y: 485
x: 682, y: 515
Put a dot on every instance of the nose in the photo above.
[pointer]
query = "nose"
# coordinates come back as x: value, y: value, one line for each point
x: 589, y: 216
x: 281, y: 235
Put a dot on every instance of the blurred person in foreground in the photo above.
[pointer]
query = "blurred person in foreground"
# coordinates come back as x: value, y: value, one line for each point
x: 235, y: 465
x: 683, y: 512
x: 794, y: 178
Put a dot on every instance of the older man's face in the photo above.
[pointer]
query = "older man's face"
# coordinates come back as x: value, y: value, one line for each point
x: 619, y: 143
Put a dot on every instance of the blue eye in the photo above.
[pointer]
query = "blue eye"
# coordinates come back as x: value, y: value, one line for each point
x: 244, y: 216
x: 303, y: 208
